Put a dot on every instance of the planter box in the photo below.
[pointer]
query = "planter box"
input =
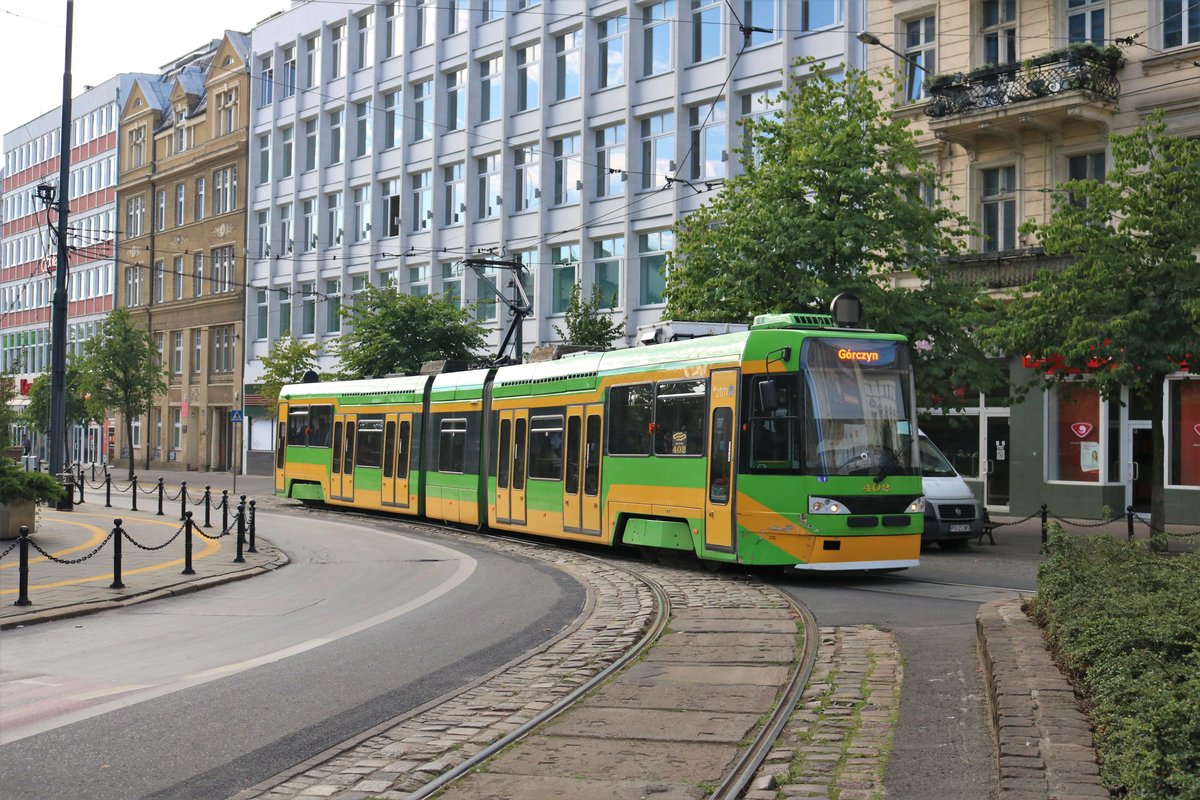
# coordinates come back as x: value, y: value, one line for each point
x: 14, y: 515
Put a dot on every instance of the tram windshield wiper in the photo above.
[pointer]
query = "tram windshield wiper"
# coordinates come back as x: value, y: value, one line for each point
x: 890, y: 464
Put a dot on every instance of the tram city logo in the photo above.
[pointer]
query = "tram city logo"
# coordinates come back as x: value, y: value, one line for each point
x: 1081, y: 429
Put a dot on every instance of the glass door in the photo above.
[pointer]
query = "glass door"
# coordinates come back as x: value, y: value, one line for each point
x: 998, y: 460
x: 1139, y: 443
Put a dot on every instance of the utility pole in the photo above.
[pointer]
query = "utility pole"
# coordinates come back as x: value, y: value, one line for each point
x: 58, y: 320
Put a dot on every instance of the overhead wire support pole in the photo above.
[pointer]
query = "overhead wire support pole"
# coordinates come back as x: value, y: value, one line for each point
x: 58, y: 329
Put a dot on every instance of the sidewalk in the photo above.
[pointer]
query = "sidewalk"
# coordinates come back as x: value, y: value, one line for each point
x: 82, y: 538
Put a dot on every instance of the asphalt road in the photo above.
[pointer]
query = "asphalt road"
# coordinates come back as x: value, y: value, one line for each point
x: 942, y: 748
x: 203, y: 695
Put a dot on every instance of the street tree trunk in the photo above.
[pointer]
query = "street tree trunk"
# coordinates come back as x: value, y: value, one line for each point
x: 1158, y: 496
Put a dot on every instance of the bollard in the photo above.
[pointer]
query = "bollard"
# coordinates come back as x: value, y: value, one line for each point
x: 1129, y: 521
x: 107, y: 489
x: 67, y: 501
x: 241, y: 533
x: 117, y: 535
x: 134, y: 493
x: 82, y: 483
x: 1043, y: 524
x: 224, y: 511
x: 93, y: 472
x: 207, y: 506
x: 252, y: 527
x: 23, y: 574
x: 187, y: 544
x: 183, y: 500
x: 160, y: 498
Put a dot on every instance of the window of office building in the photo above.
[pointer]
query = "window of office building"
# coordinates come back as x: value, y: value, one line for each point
x: 158, y: 278
x: 609, y: 260
x: 488, y: 170
x: 261, y: 318
x: 658, y: 149
x: 364, y: 40
x: 177, y: 277
x: 362, y: 213
x: 764, y: 20
x: 177, y: 353
x: 451, y: 283
x: 456, y: 100
x: 610, y: 55
x: 310, y: 144
x: 312, y: 62
x: 707, y: 123
x: 425, y: 22
x: 285, y: 315
x: 180, y: 193
x: 286, y: 154
x: 652, y: 265
x: 287, y: 80
x: 568, y: 171
x: 707, y: 31
x: 422, y: 200
x: 485, y: 293
x: 418, y: 280
x: 197, y: 349
x: 564, y: 275
x: 264, y: 158
x: 657, y: 30
x: 610, y: 161
x: 333, y: 305
x: 567, y: 64
x: 362, y: 129
x: 391, y: 29
x: 198, y: 275
x: 266, y: 85
x: 225, y: 187
x: 491, y: 87
x: 337, y: 50
x: 221, y: 264
x: 286, y: 234
x: 422, y: 117
x: 525, y: 167
x: 455, y: 193
x: 528, y: 76
x: 223, y: 357
x: 393, y: 119
x: 308, y: 309
x: 160, y: 210
x: 335, y: 218
x: 336, y: 121
x: 308, y: 225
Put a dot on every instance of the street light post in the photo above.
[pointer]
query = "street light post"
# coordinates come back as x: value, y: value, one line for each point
x: 866, y: 37
x: 58, y: 320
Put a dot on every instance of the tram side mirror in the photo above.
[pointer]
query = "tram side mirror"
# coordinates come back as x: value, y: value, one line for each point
x: 768, y: 397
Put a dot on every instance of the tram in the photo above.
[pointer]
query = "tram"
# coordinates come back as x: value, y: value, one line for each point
x: 792, y: 444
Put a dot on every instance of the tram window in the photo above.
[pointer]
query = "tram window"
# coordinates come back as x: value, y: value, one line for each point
x: 679, y: 410
x: 402, y: 448
x: 452, y: 445
x: 630, y: 415
x: 348, y: 453
x: 591, y: 449
x: 320, y: 420
x: 503, y: 457
x: 337, y: 447
x: 546, y: 447
x: 774, y: 426
x: 389, y: 448
x: 573, y: 429
x: 298, y: 428
x: 370, y: 441
x: 518, y: 476
x: 720, y: 466
x: 280, y: 444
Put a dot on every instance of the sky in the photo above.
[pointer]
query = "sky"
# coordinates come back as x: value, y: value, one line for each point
x: 109, y: 36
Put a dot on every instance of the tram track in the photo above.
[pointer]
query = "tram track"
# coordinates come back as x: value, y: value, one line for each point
x: 661, y: 583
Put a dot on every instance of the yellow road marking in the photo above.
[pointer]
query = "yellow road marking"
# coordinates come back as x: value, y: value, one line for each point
x: 211, y: 547
x: 96, y: 538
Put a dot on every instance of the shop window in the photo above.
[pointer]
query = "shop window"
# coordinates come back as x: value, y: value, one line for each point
x: 1075, y: 417
x: 1183, y: 433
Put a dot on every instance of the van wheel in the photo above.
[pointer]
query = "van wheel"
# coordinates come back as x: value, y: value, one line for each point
x: 952, y: 544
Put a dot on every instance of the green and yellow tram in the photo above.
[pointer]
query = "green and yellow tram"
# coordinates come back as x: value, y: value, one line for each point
x: 792, y: 443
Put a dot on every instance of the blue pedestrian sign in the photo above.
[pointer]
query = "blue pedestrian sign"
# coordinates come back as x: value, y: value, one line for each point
x: 235, y: 416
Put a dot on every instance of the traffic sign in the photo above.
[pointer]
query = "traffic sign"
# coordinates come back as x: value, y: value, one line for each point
x: 235, y: 416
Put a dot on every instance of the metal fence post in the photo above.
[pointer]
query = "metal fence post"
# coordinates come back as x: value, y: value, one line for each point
x: 117, y: 534
x: 224, y: 511
x: 183, y: 500
x: 23, y: 571
x: 1129, y: 521
x: 208, y: 506
x: 1043, y: 524
x: 81, y: 485
x: 241, y: 533
x: 187, y: 544
x: 160, y: 497
x: 107, y: 489
x: 253, y: 525
x: 134, y: 492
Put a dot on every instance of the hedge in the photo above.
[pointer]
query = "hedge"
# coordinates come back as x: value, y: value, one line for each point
x: 1124, y: 623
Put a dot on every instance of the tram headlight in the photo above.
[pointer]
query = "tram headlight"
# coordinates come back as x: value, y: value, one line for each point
x: 917, y: 506
x: 823, y: 505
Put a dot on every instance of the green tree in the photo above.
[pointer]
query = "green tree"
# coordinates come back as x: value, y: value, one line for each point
x: 396, y: 333
x: 1126, y: 311
x: 830, y: 198
x: 80, y: 408
x: 8, y: 413
x: 285, y: 364
x: 122, y: 371
x: 587, y: 325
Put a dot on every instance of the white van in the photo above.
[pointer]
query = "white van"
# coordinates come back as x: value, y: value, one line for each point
x: 952, y: 514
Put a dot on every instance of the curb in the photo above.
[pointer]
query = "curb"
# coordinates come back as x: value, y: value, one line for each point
x: 175, y: 590
x: 1043, y: 739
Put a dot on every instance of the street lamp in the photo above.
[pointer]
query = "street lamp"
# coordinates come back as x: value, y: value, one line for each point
x: 866, y: 37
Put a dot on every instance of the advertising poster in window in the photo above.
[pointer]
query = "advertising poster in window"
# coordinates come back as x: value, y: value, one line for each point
x: 1078, y: 431
x: 1184, y: 433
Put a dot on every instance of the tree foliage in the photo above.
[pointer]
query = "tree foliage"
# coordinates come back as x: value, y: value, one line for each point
x: 829, y: 199
x: 8, y: 414
x: 285, y: 364
x: 122, y: 370
x: 396, y: 333
x: 80, y: 407
x: 587, y: 325
x: 1126, y: 311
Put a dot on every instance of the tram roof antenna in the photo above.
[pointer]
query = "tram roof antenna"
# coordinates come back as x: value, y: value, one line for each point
x: 520, y: 307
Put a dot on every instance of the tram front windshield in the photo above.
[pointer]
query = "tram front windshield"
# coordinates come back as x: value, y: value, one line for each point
x: 848, y: 412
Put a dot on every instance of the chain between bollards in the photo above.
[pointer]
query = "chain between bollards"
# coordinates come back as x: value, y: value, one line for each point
x: 187, y: 544
x: 252, y: 528
x: 241, y: 531
x: 23, y: 573
x: 117, y: 535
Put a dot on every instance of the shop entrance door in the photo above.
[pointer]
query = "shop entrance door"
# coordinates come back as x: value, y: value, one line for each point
x: 1139, y: 471
x: 998, y: 459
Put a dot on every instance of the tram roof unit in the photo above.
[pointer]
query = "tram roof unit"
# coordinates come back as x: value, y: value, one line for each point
x: 386, y: 389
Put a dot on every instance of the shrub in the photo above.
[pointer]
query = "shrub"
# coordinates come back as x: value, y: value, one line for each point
x: 17, y: 484
x: 1125, y: 623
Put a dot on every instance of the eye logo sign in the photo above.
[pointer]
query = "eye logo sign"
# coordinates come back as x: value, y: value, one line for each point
x: 1196, y: 428
x: 1081, y: 429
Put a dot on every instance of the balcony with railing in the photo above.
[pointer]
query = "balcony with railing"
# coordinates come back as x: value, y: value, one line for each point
x: 1079, y: 82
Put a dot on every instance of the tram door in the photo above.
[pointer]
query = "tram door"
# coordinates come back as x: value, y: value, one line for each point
x: 403, y: 448
x: 719, y: 518
x: 281, y: 447
x: 387, y: 486
x: 510, y: 467
x: 342, y: 473
x: 591, y: 468
x: 572, y: 505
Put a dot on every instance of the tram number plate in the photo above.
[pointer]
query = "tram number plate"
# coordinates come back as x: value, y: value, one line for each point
x: 960, y: 528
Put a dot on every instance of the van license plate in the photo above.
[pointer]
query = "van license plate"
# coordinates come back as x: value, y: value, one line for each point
x: 960, y: 528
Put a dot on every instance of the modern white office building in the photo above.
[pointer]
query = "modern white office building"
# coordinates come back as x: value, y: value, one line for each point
x: 391, y: 141
x: 28, y: 247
